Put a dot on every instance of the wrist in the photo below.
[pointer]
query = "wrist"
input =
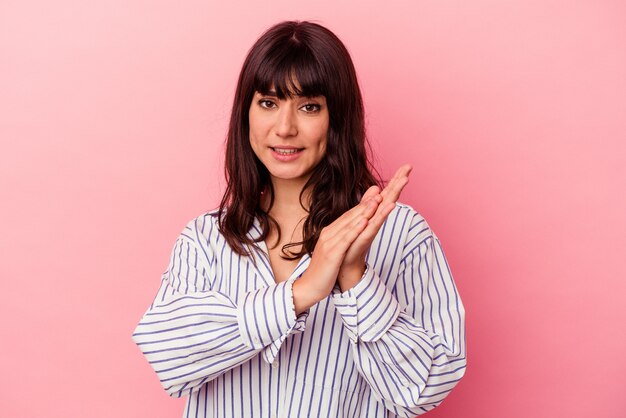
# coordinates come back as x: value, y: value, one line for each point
x: 350, y: 275
x: 305, y: 294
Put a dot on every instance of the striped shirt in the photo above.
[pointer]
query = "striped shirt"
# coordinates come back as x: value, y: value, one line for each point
x: 222, y: 331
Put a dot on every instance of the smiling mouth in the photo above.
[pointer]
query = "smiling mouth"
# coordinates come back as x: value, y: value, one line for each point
x: 286, y: 151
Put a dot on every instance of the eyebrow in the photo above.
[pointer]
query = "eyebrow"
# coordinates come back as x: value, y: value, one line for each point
x: 272, y: 93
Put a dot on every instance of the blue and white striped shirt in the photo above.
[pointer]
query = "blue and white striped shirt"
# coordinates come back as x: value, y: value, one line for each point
x: 222, y: 331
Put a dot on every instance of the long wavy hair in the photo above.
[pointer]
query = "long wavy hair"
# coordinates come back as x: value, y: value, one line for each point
x: 313, y: 56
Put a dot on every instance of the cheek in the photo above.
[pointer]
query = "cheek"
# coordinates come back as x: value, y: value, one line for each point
x: 324, y: 128
x: 255, y: 145
x: 319, y: 132
x: 255, y: 135
x: 259, y: 129
x: 324, y: 139
x: 253, y: 139
x: 254, y: 122
x: 323, y: 148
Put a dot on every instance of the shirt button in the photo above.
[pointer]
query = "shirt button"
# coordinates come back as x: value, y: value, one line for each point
x: 274, y: 365
x: 255, y: 340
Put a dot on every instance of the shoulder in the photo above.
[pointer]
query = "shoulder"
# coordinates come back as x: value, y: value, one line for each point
x: 410, y: 224
x: 409, y: 217
x: 202, y: 229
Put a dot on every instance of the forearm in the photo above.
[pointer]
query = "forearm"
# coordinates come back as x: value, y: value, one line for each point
x: 310, y: 288
x: 182, y: 336
x: 349, y: 276
x: 410, y: 366
x: 191, y: 338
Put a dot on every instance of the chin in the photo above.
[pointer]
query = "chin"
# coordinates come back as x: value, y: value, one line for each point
x: 289, y: 174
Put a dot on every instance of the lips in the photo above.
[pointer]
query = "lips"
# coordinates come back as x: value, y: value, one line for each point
x: 286, y: 154
x: 286, y: 151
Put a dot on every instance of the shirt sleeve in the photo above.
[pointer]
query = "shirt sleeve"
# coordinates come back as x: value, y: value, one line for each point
x: 409, y: 343
x: 191, y: 334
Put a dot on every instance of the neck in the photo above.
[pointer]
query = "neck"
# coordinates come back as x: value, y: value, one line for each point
x: 287, y: 198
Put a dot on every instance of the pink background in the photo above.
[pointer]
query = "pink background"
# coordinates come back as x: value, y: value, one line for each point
x: 112, y: 117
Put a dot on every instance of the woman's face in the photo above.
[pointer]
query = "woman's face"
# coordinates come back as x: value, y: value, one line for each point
x: 289, y: 136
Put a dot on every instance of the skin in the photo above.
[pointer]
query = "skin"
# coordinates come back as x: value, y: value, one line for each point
x: 339, y: 255
x: 299, y: 122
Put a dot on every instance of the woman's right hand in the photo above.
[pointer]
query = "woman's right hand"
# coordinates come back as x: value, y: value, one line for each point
x: 320, y: 277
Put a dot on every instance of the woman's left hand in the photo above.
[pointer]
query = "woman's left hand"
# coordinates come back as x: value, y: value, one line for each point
x: 353, y: 265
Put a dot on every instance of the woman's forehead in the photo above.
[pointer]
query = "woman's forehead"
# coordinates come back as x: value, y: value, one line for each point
x: 293, y: 95
x: 291, y: 85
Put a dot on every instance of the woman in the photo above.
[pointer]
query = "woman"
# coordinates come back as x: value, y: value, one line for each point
x: 310, y: 291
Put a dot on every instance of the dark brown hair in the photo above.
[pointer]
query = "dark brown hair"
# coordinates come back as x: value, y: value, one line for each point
x: 321, y: 65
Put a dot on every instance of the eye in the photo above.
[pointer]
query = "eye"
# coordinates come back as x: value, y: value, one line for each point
x: 267, y: 104
x: 311, y: 107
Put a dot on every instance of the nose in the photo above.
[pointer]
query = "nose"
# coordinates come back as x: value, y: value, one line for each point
x: 286, y: 123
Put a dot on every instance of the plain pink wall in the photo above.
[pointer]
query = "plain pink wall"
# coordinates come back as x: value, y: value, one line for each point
x: 112, y: 117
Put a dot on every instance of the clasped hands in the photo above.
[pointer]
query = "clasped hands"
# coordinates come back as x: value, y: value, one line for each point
x: 339, y: 255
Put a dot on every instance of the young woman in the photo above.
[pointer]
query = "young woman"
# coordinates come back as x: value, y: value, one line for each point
x: 310, y: 291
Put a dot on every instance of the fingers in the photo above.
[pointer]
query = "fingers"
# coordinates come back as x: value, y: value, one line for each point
x: 363, y: 240
x: 390, y: 194
x: 339, y: 235
x: 363, y: 221
x: 378, y: 219
x: 372, y: 191
x: 392, y: 191
x: 333, y: 244
x: 373, y: 199
x: 346, y: 236
x: 366, y: 208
